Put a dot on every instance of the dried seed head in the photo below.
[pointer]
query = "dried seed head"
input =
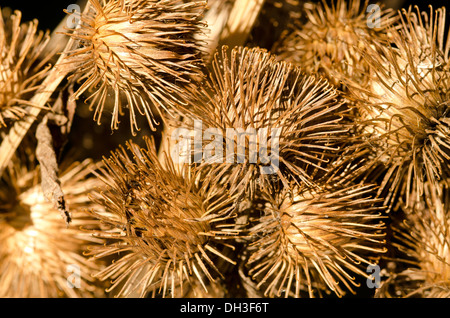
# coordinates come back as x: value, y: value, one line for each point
x: 315, y: 242
x: 39, y: 256
x: 142, y: 52
x: 331, y: 41
x: 165, y: 225
x: 22, y: 64
x: 424, y: 240
x: 269, y: 105
x: 404, y: 111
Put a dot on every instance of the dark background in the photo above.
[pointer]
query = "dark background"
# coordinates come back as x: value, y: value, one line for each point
x: 49, y: 13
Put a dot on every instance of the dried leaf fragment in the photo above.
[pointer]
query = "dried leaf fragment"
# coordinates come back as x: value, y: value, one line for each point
x: 51, y: 185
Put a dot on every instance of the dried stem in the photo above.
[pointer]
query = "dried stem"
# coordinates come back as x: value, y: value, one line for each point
x: 240, y: 22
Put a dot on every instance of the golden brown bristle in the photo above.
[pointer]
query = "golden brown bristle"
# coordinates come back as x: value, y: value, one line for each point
x: 22, y: 64
x: 315, y: 242
x: 252, y: 92
x: 423, y: 241
x: 404, y: 110
x: 143, y: 53
x: 39, y: 256
x: 166, y: 227
x: 332, y: 40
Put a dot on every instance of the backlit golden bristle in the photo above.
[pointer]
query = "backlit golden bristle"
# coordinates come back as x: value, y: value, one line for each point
x: 423, y: 239
x: 166, y: 228
x: 314, y: 243
x: 404, y: 109
x: 330, y: 42
x: 252, y: 94
x: 39, y: 255
x: 142, y: 52
x: 287, y: 149
x: 22, y: 64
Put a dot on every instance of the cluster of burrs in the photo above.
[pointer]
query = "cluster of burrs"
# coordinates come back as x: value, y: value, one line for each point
x: 304, y: 151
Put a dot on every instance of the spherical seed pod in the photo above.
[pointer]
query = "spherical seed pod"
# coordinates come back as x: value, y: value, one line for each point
x: 39, y: 255
x: 422, y: 243
x: 330, y: 42
x: 265, y: 121
x: 404, y: 111
x: 314, y: 243
x: 166, y: 228
x: 143, y: 53
x: 22, y: 64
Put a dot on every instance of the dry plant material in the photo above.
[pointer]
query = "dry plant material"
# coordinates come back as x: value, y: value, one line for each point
x: 143, y: 53
x: 240, y: 22
x: 349, y: 120
x: 216, y: 16
x: 423, y: 238
x: 22, y: 64
x: 167, y: 229
x: 196, y: 290
x: 333, y: 39
x: 39, y: 256
x: 315, y: 242
x: 282, y: 107
x: 404, y: 111
x: 51, y: 185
